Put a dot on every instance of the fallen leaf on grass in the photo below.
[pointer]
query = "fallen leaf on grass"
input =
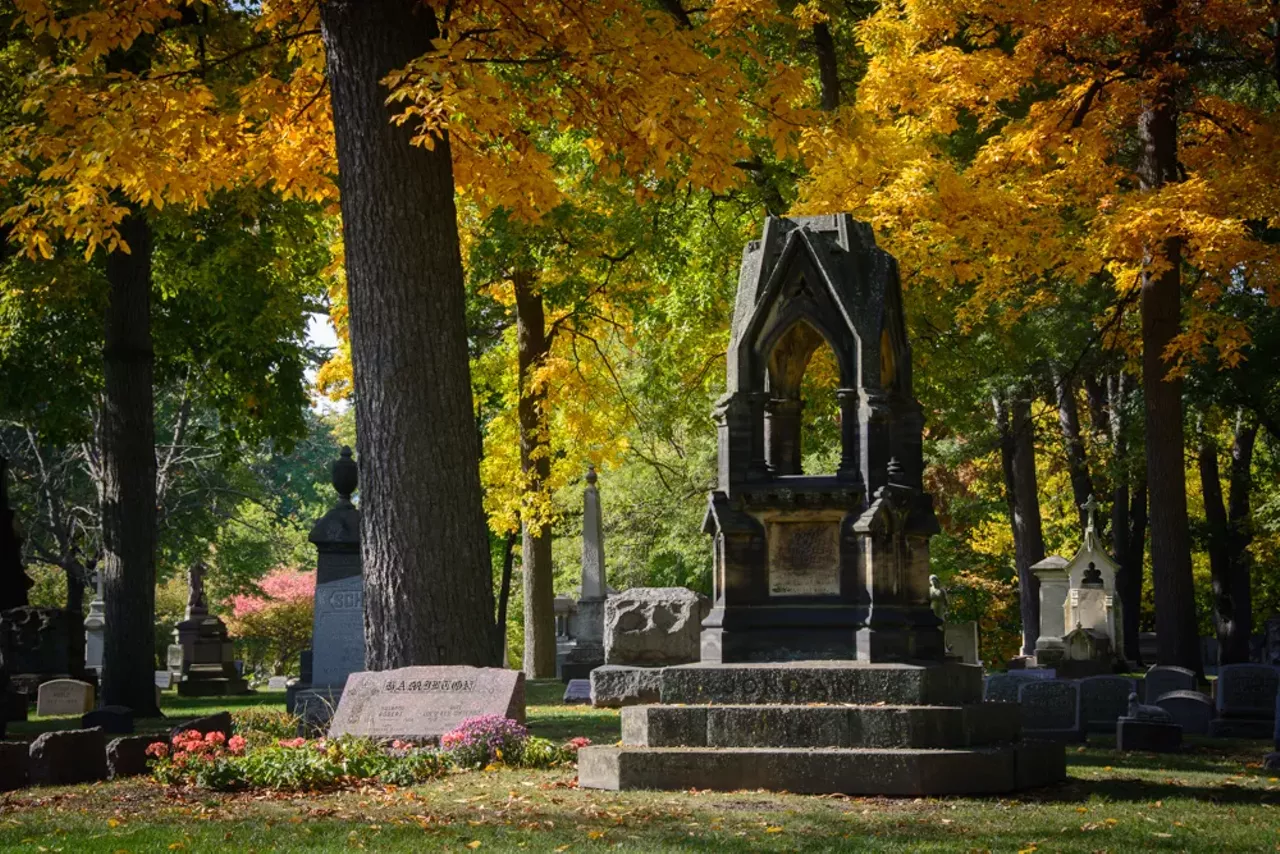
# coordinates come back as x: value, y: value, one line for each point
x: 475, y: 843
x: 773, y: 829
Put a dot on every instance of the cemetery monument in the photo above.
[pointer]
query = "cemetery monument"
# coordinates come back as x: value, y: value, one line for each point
x: 208, y: 667
x: 585, y: 652
x: 823, y: 667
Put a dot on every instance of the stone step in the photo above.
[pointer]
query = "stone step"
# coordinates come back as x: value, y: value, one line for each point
x: 818, y: 726
x: 798, y: 683
x: 858, y: 771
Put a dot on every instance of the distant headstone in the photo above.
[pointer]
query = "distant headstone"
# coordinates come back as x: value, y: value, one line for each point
x: 578, y: 691
x: 64, y: 697
x: 338, y: 626
x: 1162, y: 679
x: 1103, y: 700
x: 961, y: 640
x: 1003, y: 687
x: 173, y: 658
x: 127, y: 756
x: 277, y: 683
x: 425, y: 702
x: 164, y: 679
x: 1245, y: 696
x: 1209, y: 654
x: 114, y: 720
x: 67, y: 757
x: 1191, y: 710
x: 1050, y: 709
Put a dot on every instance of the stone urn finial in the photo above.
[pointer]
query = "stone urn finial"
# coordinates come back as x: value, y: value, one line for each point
x: 345, y: 474
x: 591, y: 475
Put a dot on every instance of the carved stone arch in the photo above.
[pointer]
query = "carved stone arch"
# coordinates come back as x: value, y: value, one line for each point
x: 785, y: 350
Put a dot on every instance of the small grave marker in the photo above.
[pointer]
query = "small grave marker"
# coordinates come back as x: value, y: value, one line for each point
x: 277, y: 683
x: 64, y: 697
x: 1103, y: 699
x: 1163, y: 679
x: 425, y: 702
x: 578, y: 691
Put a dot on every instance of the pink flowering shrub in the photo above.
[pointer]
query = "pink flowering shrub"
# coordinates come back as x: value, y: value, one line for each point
x: 273, y: 628
x: 484, y: 740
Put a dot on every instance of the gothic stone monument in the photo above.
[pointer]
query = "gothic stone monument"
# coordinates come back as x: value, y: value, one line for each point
x: 208, y: 666
x: 823, y: 666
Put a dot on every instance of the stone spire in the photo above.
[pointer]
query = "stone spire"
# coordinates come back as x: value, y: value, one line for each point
x: 593, y: 583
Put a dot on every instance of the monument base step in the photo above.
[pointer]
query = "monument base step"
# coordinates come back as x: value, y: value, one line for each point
x: 825, y: 726
x: 850, y: 771
x: 801, y: 682
x: 217, y: 687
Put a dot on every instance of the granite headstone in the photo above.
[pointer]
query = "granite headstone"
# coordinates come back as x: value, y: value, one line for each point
x: 578, y: 691
x: 1190, y: 709
x: 1162, y: 679
x: 338, y: 626
x: 1003, y: 687
x: 1103, y: 700
x: 67, y: 757
x: 1050, y: 709
x: 425, y: 702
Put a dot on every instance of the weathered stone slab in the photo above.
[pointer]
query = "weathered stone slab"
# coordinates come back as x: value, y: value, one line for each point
x: 1148, y: 735
x: 1247, y: 691
x: 850, y: 682
x: 15, y: 757
x: 114, y: 720
x: 127, y: 756
x: 64, y: 697
x: 819, y: 726
x: 578, y: 691
x: 425, y: 702
x: 1191, y: 710
x: 961, y: 640
x: 614, y: 686
x: 1162, y: 679
x: 1050, y: 709
x: 67, y: 757
x: 1104, y: 700
x: 990, y: 770
x: 1003, y: 687
x: 653, y: 626
x: 218, y: 722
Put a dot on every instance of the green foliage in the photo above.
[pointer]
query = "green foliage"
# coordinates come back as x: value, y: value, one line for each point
x: 261, y: 726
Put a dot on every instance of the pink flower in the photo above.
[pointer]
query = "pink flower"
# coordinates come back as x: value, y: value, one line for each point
x: 280, y: 585
x: 291, y: 742
x: 236, y: 744
x: 578, y: 743
x: 215, y: 738
x: 159, y: 750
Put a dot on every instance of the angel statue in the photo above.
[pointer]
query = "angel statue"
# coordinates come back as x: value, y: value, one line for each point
x: 938, y: 598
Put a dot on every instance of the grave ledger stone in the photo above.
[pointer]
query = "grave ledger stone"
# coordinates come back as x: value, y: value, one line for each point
x: 822, y: 663
x: 1245, y: 696
x: 421, y: 703
x: 337, y: 630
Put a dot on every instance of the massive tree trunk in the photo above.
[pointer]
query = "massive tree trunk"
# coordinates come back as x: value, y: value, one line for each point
x: 1128, y: 515
x: 1161, y: 306
x: 828, y: 65
x: 1018, y: 461
x: 535, y: 462
x: 1229, y: 538
x: 504, y: 594
x: 424, y: 545
x: 1077, y: 462
x: 127, y: 448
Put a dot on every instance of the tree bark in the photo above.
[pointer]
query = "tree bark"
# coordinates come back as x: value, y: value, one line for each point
x: 828, y: 66
x: 76, y: 578
x: 1229, y: 538
x: 1077, y: 462
x: 504, y: 594
x: 535, y: 462
x: 424, y: 544
x: 1128, y: 515
x: 127, y: 446
x: 1161, y: 306
x: 1018, y: 461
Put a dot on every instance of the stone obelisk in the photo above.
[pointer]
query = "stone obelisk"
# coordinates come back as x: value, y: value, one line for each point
x: 587, y: 624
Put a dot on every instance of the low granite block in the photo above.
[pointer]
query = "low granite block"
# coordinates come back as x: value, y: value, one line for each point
x: 114, y: 720
x: 991, y: 770
x: 664, y: 726
x: 1151, y: 736
x: 823, y: 682
x: 578, y: 691
x: 127, y: 756
x: 68, y: 756
x: 14, y: 759
x: 614, y: 686
x: 219, y: 722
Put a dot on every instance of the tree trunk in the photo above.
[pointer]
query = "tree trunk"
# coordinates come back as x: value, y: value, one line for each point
x: 828, y: 67
x: 76, y: 578
x: 535, y: 462
x: 1161, y: 306
x: 1229, y: 537
x: 1128, y: 516
x: 504, y: 594
x: 1077, y: 462
x: 424, y: 545
x: 127, y: 448
x: 1018, y: 461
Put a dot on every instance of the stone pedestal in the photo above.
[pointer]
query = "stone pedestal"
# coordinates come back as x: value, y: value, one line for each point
x: 208, y: 658
x: 95, y: 631
x: 823, y: 727
x: 1151, y: 736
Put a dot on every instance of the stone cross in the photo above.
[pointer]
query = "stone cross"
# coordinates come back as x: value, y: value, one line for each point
x: 1090, y: 507
x: 592, y: 540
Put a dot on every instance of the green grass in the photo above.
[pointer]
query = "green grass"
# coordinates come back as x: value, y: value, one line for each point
x: 175, y: 709
x: 1213, y: 797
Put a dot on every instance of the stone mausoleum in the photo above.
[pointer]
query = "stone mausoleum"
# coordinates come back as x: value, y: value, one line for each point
x: 823, y: 667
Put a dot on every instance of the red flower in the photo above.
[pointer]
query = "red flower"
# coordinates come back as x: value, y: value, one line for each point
x: 215, y: 738
x: 236, y: 744
x: 159, y: 750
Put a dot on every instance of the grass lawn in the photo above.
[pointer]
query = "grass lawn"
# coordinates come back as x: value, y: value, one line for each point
x: 1213, y: 797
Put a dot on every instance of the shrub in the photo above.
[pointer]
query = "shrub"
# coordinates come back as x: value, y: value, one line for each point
x: 262, y: 726
x: 273, y: 628
x: 484, y: 740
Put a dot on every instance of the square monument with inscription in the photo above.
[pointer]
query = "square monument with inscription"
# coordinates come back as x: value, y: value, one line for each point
x: 339, y: 626
x: 421, y: 703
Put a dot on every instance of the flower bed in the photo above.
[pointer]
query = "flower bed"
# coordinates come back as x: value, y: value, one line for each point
x: 216, y: 762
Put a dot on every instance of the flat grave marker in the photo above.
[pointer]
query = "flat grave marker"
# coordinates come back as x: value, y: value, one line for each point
x: 425, y: 702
